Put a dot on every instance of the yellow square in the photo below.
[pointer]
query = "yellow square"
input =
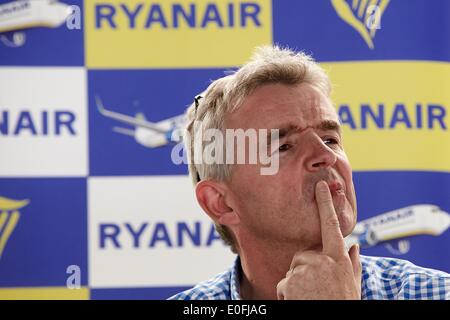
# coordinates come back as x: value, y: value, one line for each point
x: 174, y: 34
x: 398, y: 111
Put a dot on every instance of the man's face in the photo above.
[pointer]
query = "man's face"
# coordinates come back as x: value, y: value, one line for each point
x: 282, y: 207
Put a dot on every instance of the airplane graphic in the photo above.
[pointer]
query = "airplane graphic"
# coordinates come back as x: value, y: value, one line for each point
x: 16, y: 16
x: 147, y: 133
x: 400, y: 224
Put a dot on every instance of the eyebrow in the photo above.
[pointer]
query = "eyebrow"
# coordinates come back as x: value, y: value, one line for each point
x: 329, y: 125
x: 326, y: 125
x: 288, y: 130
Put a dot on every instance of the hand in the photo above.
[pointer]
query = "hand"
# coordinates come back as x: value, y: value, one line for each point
x: 330, y: 274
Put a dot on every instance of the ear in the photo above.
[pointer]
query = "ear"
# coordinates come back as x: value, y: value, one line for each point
x: 211, y: 195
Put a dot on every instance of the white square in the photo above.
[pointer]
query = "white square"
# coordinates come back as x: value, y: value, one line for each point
x: 43, y: 122
x: 150, y: 206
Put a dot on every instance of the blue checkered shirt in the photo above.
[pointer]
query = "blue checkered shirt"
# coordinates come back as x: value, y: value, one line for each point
x: 382, y: 278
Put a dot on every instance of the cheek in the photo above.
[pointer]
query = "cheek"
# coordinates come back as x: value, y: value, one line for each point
x: 253, y: 189
x: 277, y: 198
x: 345, y: 170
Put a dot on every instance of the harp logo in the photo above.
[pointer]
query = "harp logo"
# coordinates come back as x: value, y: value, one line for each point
x: 9, y: 217
x: 363, y: 15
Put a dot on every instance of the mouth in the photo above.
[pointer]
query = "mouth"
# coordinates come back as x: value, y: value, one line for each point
x: 336, y: 188
x: 336, y: 184
x: 338, y: 194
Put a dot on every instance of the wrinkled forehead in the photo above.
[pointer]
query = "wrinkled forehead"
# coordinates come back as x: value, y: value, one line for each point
x: 271, y: 105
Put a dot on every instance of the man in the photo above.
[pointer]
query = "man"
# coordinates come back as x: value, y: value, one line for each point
x: 288, y: 228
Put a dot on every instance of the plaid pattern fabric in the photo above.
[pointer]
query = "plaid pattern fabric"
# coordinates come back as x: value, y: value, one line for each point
x: 382, y: 278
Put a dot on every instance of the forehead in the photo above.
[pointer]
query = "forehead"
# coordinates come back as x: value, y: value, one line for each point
x: 272, y: 105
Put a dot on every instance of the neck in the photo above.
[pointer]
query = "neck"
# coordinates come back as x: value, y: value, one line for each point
x: 264, y: 264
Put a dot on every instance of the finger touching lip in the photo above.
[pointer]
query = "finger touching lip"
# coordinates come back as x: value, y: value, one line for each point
x: 336, y: 187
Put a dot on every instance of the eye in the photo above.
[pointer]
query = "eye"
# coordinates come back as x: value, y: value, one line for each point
x: 284, y: 147
x: 331, y: 141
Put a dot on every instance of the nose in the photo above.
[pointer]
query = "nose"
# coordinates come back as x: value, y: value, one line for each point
x: 319, y: 154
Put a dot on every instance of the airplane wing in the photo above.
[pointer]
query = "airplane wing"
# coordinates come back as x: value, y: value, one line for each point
x: 127, y: 119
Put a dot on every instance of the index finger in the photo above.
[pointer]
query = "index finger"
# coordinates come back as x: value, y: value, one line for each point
x: 332, y: 239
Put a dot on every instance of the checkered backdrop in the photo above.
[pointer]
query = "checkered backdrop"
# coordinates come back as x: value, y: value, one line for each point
x: 89, y: 209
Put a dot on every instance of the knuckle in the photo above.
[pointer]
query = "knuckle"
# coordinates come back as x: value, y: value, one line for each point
x: 327, y: 260
x: 297, y: 256
x: 300, y: 256
x: 305, y: 275
x: 325, y: 200
x: 332, y: 222
x: 289, y: 273
x: 299, y: 274
x: 297, y: 271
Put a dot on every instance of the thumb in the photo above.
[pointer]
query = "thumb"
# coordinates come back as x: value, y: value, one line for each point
x: 356, y: 262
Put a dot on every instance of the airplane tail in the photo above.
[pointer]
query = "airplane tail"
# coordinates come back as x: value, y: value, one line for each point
x: 140, y: 116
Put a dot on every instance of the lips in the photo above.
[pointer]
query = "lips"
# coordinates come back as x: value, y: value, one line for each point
x: 338, y: 194
x: 336, y: 188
